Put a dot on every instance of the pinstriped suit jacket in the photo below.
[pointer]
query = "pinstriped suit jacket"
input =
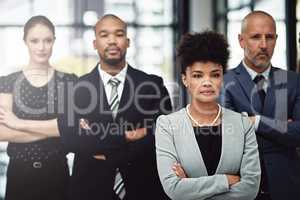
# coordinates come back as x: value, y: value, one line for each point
x: 278, y: 137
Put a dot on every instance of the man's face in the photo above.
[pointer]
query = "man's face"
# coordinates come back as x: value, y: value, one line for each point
x: 111, y: 41
x: 258, y: 41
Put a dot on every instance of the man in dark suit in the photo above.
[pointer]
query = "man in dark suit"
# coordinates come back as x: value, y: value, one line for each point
x: 271, y: 97
x: 109, y: 122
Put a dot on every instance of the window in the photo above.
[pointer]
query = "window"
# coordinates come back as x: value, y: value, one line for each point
x: 277, y: 9
x: 236, y: 10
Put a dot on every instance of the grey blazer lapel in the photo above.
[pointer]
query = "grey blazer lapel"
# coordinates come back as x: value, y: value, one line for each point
x: 227, y: 144
x: 228, y: 141
x: 191, y: 143
x: 230, y: 155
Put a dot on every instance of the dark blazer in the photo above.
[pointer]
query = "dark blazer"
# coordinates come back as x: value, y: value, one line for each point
x: 143, y: 99
x: 277, y: 138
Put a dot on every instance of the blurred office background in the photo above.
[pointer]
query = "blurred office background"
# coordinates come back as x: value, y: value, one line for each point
x: 155, y: 27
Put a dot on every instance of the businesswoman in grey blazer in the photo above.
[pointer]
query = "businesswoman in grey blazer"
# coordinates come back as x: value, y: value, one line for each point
x: 205, y: 151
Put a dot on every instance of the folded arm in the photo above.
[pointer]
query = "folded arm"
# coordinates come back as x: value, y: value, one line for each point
x: 248, y: 185
x: 47, y: 128
x: 283, y: 132
x: 161, y: 104
x: 16, y: 136
x: 7, y: 133
x: 182, y: 188
x: 43, y: 127
x: 103, y: 136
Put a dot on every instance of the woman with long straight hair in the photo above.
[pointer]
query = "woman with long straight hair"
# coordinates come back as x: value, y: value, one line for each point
x: 30, y: 102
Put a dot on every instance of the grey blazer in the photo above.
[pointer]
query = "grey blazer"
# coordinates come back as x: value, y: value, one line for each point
x: 176, y: 142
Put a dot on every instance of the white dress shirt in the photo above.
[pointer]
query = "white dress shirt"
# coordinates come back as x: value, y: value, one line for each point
x: 106, y: 77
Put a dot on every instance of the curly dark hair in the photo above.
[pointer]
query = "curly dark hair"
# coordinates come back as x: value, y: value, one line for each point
x: 203, y: 47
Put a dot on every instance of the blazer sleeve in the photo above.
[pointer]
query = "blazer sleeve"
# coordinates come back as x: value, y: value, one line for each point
x: 187, y: 188
x: 102, y: 138
x: 250, y: 171
x: 284, y: 132
x: 163, y: 104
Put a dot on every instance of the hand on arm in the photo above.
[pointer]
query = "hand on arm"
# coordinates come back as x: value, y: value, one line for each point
x: 136, y: 134
x: 174, y: 184
x: 9, y: 119
x: 43, y: 127
x: 232, y: 179
x: 131, y: 136
x: 12, y: 135
x: 252, y: 119
x: 285, y: 132
x: 100, y: 157
x: 180, y: 173
x: 84, y: 124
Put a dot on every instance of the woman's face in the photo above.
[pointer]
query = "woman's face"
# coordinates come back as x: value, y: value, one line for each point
x: 39, y: 41
x: 203, y: 81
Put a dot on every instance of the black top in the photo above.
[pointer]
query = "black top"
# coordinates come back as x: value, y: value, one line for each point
x: 36, y: 103
x: 209, y: 139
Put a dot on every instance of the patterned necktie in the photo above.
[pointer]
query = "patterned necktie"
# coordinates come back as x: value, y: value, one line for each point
x: 259, y: 80
x: 114, y: 98
x: 114, y: 104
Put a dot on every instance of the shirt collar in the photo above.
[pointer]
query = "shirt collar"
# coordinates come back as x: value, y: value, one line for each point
x: 253, y: 73
x: 106, y: 76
